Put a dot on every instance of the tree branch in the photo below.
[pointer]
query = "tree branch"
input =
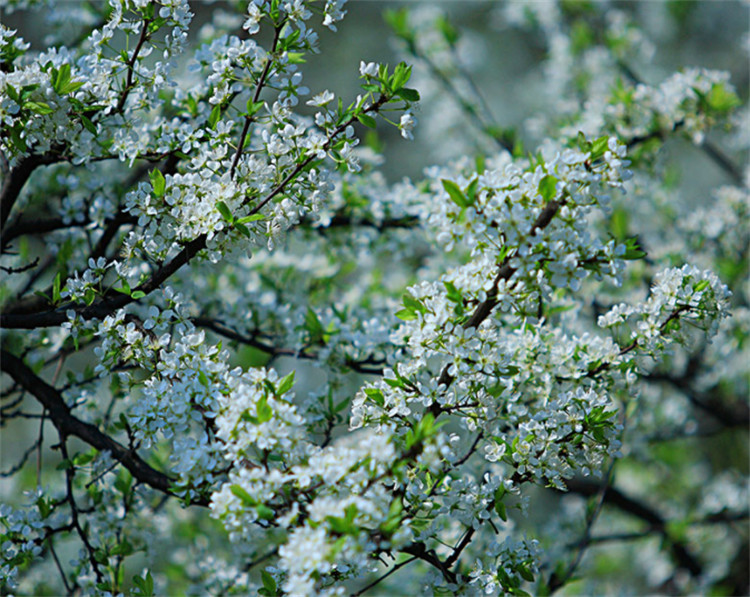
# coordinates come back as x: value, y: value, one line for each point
x: 682, y: 555
x: 68, y: 425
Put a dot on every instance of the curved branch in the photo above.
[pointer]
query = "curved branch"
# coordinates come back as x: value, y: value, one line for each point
x: 682, y: 555
x: 113, y: 300
x: 14, y: 181
x: 68, y: 425
x: 484, y: 308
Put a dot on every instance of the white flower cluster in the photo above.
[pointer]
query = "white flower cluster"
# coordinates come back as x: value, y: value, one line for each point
x: 686, y: 293
x: 60, y: 100
x: 508, y: 202
x: 692, y: 100
x: 495, y: 377
x: 271, y: 458
x: 504, y: 566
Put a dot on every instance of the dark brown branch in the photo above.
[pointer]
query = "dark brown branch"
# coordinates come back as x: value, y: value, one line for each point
x: 19, y: 270
x: 14, y: 181
x: 345, y: 221
x: 69, y: 476
x: 419, y: 550
x: 131, y: 66
x: 734, y: 414
x: 558, y: 581
x: 484, y: 308
x: 616, y: 498
x: 113, y: 300
x: 256, y: 96
x: 68, y: 425
x: 384, y: 576
x: 36, y: 226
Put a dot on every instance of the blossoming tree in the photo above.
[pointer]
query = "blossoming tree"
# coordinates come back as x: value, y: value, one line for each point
x: 255, y: 366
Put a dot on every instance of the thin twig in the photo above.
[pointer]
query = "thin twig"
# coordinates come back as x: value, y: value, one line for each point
x: 384, y: 576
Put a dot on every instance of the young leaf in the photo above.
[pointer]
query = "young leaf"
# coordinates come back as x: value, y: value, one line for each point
x: 245, y: 497
x: 269, y: 584
x: 455, y: 193
x: 39, y: 107
x: 244, y: 230
x: 410, y: 95
x: 633, y: 249
x: 285, y: 384
x: 158, y: 182
x: 213, y: 118
x: 265, y: 412
x: 367, y: 120
x: 56, y: 289
x: 225, y: 211
x: 548, y: 188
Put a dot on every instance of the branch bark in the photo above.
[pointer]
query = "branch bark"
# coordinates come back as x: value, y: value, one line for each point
x: 69, y: 425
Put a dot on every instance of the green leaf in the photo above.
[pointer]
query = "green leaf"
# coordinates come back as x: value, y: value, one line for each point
x: 525, y: 573
x: 56, y: 289
x: 633, y: 249
x: 394, y: 383
x: 341, y: 405
x: 253, y: 107
x: 12, y: 93
x: 450, y: 33
x: 399, y: 22
x: 313, y: 326
x: 393, y: 520
x: 619, y: 223
x: 264, y: 512
x: 243, y: 495
x: 344, y: 525
x: 158, y: 182
x: 87, y: 124
x: 296, y: 57
x: 285, y: 384
x: 455, y: 193
x: 213, y: 118
x: 501, y: 511
x: 137, y: 294
x: 599, y: 148
x: 367, y: 120
x: 702, y: 285
x: 269, y: 584
x: 401, y: 75
x: 548, y: 187
x: 453, y: 294
x: 406, y: 314
x: 410, y: 95
x: 248, y: 219
x: 44, y: 505
x: 413, y: 304
x: 225, y: 212
x: 124, y: 481
x: 122, y: 549
x: 265, y: 412
x: 471, y: 190
x: 721, y: 99
x: 62, y: 83
x: 376, y: 396
x: 243, y: 230
x: 145, y: 585
x: 39, y: 107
